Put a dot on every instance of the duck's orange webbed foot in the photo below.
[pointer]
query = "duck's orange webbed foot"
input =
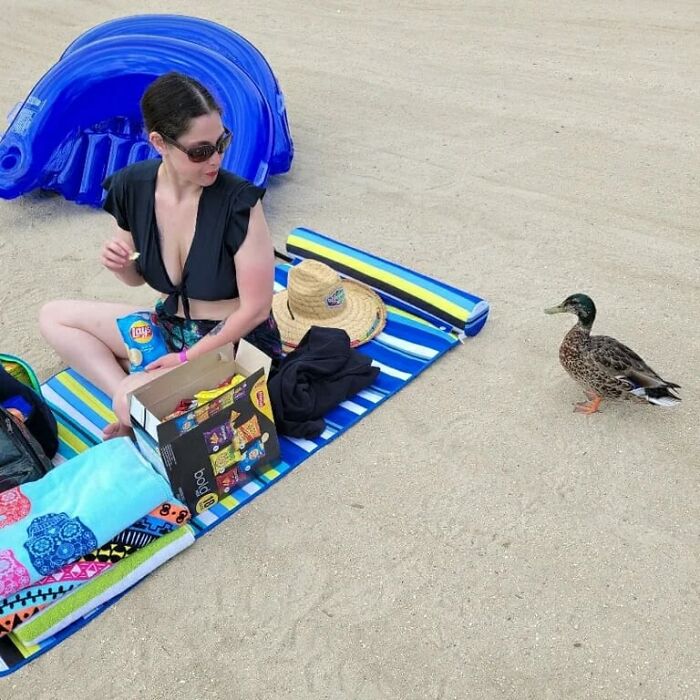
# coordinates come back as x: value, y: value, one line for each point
x: 590, y: 406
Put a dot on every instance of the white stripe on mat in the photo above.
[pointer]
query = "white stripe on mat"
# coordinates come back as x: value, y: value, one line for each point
x: 328, y: 433
x: 57, y: 400
x: 306, y: 445
x: 406, y: 346
x: 370, y: 395
x: 391, y: 371
x: 353, y: 407
x: 207, y: 517
x: 251, y: 488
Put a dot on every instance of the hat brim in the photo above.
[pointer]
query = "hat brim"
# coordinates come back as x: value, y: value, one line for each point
x: 362, y: 318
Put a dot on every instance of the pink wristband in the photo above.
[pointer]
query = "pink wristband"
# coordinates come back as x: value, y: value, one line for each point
x: 183, y: 355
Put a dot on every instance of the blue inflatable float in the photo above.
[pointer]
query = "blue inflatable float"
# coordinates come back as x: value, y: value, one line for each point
x: 218, y: 38
x: 81, y: 121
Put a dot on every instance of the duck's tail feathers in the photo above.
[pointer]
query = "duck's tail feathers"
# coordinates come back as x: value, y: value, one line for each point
x: 659, y: 395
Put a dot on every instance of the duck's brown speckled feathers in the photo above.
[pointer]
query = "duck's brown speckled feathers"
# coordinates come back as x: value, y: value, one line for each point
x: 605, y: 367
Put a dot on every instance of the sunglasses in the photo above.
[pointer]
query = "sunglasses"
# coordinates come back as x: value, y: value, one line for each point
x: 198, y: 154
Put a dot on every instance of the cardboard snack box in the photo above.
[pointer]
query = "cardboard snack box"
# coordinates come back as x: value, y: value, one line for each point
x: 205, y: 452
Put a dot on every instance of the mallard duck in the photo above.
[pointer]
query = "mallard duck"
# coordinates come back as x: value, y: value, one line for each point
x: 604, y: 366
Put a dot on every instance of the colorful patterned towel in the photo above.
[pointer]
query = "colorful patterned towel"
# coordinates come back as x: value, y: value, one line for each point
x: 72, y: 510
x: 22, y: 605
x: 103, y: 588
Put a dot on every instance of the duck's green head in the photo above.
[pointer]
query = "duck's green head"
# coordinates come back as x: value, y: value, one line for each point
x: 578, y: 304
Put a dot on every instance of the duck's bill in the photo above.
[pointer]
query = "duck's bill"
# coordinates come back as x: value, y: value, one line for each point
x: 555, y: 310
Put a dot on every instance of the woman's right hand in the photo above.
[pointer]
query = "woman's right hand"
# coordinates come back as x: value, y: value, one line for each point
x: 116, y: 255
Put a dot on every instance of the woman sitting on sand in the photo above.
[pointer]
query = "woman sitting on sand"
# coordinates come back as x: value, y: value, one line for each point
x: 202, y: 242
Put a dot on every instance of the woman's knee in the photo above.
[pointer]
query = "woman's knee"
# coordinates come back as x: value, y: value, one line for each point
x: 52, y: 315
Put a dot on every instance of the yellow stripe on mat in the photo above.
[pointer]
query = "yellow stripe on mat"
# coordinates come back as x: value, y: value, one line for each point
x: 377, y: 273
x: 406, y: 314
x: 86, y: 397
x: 71, y: 439
x: 229, y: 502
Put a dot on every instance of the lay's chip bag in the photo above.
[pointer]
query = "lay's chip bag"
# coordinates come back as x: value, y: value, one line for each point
x: 143, y: 339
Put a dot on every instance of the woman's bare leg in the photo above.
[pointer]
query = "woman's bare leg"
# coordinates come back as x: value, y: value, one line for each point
x: 85, y: 335
x: 129, y: 384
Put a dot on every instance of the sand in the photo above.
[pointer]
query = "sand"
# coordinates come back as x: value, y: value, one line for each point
x: 473, y: 538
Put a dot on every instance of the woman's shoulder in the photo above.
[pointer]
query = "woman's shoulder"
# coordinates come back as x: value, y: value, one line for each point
x: 238, y: 191
x: 139, y: 172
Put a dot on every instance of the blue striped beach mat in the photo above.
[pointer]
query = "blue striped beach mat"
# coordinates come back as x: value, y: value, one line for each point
x: 407, y: 346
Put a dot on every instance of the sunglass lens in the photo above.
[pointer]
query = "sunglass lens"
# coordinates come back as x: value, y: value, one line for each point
x: 225, y: 142
x: 201, y: 153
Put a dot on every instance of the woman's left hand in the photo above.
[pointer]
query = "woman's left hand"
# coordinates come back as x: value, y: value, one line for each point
x: 172, y: 359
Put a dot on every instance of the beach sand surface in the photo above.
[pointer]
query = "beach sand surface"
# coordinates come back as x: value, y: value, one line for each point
x: 473, y: 538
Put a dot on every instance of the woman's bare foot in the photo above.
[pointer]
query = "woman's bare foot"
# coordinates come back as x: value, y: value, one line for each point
x: 114, y: 430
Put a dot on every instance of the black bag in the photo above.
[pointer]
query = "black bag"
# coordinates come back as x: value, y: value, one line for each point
x: 39, y: 419
x: 26, y: 446
x: 22, y: 458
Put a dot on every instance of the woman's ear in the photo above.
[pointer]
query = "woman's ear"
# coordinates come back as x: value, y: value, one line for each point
x: 157, y: 142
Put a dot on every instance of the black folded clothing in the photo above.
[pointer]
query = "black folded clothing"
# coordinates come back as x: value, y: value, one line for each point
x: 319, y: 374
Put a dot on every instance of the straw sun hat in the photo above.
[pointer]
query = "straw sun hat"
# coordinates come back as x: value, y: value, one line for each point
x: 317, y: 296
